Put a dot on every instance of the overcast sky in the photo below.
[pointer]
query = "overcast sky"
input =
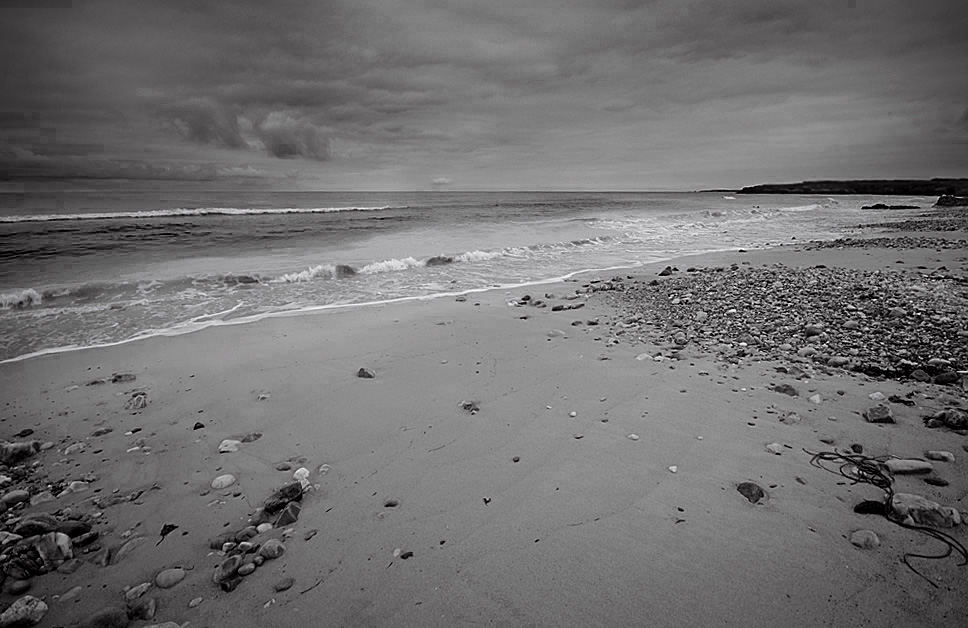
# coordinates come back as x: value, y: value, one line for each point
x: 482, y: 94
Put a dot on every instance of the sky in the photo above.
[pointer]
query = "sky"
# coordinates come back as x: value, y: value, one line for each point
x: 480, y: 94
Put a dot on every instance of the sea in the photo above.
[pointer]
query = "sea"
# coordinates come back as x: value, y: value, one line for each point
x: 81, y: 269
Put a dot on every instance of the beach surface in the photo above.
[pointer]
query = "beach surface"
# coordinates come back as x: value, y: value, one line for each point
x: 513, y: 464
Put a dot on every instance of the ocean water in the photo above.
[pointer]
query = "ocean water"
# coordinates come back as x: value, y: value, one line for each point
x: 82, y: 269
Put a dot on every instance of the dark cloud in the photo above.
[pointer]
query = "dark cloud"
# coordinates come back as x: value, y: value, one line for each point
x: 204, y: 122
x: 495, y: 92
x: 284, y: 136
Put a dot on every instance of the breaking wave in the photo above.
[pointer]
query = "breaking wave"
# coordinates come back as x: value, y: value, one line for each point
x: 196, y: 211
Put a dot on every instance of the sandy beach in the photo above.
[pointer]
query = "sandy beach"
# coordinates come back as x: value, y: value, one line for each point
x: 569, y: 463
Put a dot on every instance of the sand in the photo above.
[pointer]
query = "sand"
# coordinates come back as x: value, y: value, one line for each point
x: 554, y: 504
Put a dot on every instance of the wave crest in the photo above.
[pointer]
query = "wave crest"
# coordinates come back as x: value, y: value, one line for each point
x: 196, y: 211
x: 20, y: 299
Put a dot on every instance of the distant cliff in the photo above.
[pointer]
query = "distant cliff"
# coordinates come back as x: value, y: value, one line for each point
x: 906, y: 187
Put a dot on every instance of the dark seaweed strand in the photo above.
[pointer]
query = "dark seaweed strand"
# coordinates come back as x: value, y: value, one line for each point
x: 860, y: 469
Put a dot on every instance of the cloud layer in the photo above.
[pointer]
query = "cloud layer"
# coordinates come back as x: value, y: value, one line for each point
x: 619, y: 94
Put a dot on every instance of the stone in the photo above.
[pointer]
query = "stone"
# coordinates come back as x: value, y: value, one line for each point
x: 946, y: 379
x: 775, y: 448
x: 786, y: 389
x: 54, y: 548
x: 791, y: 418
x: 282, y: 496
x: 18, y: 587
x: 35, y: 523
x: 13, y: 453
x: 195, y: 601
x: 136, y: 591
x: 940, y: 456
x: 262, y: 528
x: 916, y: 510
x: 865, y: 539
x: 229, y: 446
x: 252, y: 437
x: 143, y: 608
x: 284, y: 585
x: 838, y: 360
x: 245, y: 534
x: 816, y: 399
x: 273, y: 548
x: 896, y: 312
x: 365, y: 373
x: 227, y: 569
x: 26, y: 611
x: 42, y: 498
x: 851, y: 324
x: 879, y: 414
x: 169, y: 577
x: 806, y: 352
x: 919, y: 375
x: 223, y: 481
x: 953, y: 418
x: 289, y: 514
x: 129, y: 546
x: 70, y: 594
x: 813, y: 330
x: 751, y: 491
x: 246, y: 569
x: 70, y: 566
x: 902, y: 466
x: 73, y: 529
x: 12, y: 498
x: 283, y: 466
x: 107, y: 617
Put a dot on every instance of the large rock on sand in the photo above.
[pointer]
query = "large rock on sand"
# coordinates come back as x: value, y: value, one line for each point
x: 27, y: 611
x: 917, y: 510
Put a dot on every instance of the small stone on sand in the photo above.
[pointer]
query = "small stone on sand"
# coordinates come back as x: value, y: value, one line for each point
x: 865, y: 539
x: 223, y: 481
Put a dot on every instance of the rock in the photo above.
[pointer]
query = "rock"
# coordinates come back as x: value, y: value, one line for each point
x: 665, y: 272
x: 246, y: 569
x: 195, y: 601
x: 70, y: 566
x: 806, y: 352
x: 42, y: 498
x: 282, y: 496
x: 365, y: 373
x: 838, y: 360
x: 223, y: 481
x: 946, y: 379
x: 129, y: 546
x: 935, y: 481
x: 123, y: 378
x: 27, y: 611
x: 791, y: 418
x: 289, y: 514
x: 953, y: 418
x: 245, y: 534
x: 227, y: 569
x: 70, y: 594
x: 816, y: 399
x: 751, y: 491
x: 301, y: 475
x: 137, y: 591
x: 284, y: 585
x: 73, y: 529
x: 143, y: 608
x: 12, y: 453
x: 198, y: 425
x: 896, y: 312
x: 54, y: 548
x: 229, y: 446
x: 273, y: 548
x: 18, y: 587
x: 283, y: 466
x: 919, y: 375
x: 786, y: 389
x: 940, y: 456
x: 35, y: 523
x: 169, y: 578
x: 775, y: 448
x: 865, y: 539
x: 14, y: 497
x: 251, y: 438
x: 917, y: 510
x: 108, y: 617
x: 879, y: 414
x: 851, y: 324
x: 262, y: 528
x: 902, y: 466
x: 813, y: 330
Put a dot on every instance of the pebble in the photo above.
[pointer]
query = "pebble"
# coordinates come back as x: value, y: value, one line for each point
x: 674, y: 469
x: 284, y: 585
x: 169, y: 578
x: 11, y: 498
x: 775, y: 448
x: 786, y: 389
x: 751, y: 491
x: 865, y: 539
x: 195, y: 601
x: 283, y: 466
x: 137, y: 591
x: 633, y: 437
x: 817, y: 399
x: 573, y: 414
x: 262, y: 528
x: 70, y: 594
x: 365, y: 373
x: 223, y: 481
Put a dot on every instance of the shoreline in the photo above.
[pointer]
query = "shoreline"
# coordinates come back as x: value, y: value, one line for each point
x: 572, y: 464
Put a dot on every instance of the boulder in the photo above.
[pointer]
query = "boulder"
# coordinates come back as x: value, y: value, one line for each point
x: 27, y: 611
x: 223, y: 481
x: 916, y: 510
x: 107, y: 617
x: 54, y: 548
x: 12, y: 453
x: 865, y: 539
x: 751, y: 491
x: 289, y: 514
x: 273, y: 548
x: 168, y: 578
x: 879, y: 414
x: 143, y: 608
x: 36, y: 523
x: 227, y: 569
